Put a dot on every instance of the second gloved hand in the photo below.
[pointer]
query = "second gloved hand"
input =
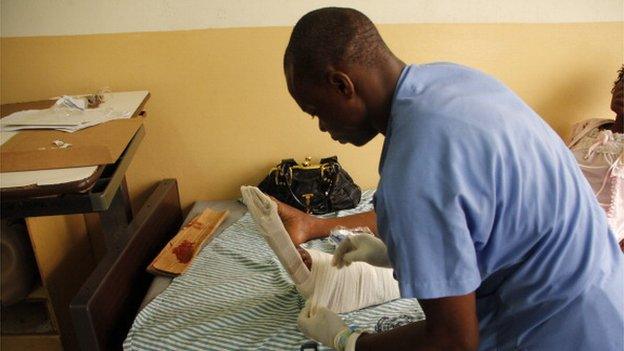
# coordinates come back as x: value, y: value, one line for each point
x: 320, y: 324
x: 362, y: 247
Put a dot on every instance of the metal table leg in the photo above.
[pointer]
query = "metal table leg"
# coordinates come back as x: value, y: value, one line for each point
x: 114, y: 221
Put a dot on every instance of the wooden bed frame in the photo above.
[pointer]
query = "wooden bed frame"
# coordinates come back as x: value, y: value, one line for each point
x: 107, y: 303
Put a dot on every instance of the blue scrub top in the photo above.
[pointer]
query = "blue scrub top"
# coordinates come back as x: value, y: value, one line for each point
x: 478, y: 193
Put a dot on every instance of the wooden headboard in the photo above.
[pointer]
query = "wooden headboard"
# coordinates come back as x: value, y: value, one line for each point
x: 105, y: 307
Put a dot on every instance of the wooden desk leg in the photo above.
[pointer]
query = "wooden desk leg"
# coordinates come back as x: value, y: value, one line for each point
x: 114, y: 222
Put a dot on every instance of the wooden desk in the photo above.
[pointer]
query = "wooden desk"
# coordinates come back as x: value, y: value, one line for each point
x: 70, y: 228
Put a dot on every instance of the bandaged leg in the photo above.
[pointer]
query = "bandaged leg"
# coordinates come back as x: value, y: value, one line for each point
x: 264, y: 212
x: 350, y: 288
x: 341, y: 290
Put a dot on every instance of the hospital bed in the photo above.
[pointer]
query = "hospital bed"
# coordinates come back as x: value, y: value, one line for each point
x: 234, y: 296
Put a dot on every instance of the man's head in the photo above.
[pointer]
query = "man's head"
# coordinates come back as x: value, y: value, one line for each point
x: 617, y: 94
x: 336, y: 67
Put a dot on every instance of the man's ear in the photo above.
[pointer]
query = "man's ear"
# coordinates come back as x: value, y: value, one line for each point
x: 341, y: 83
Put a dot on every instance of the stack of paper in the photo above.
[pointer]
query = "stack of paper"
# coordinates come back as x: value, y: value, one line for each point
x: 65, y: 119
x: 70, y: 114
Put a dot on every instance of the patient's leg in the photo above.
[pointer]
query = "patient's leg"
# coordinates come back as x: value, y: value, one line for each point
x: 303, y: 227
x: 298, y: 224
x: 341, y: 290
x: 264, y: 212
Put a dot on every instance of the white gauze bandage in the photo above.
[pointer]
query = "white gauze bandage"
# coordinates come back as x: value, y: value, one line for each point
x: 341, y: 290
x: 264, y: 212
x: 350, y: 288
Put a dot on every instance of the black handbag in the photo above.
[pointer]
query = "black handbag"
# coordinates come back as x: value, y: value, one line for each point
x: 313, y: 188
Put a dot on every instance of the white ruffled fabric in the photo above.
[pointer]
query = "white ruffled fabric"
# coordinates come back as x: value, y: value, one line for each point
x: 600, y: 155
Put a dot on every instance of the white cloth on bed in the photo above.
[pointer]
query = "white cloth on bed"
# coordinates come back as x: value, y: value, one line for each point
x: 341, y: 290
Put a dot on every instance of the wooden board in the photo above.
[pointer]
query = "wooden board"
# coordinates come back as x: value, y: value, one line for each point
x: 65, y: 259
x: 178, y: 254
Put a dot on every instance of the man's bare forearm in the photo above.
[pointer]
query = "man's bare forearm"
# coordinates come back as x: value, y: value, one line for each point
x: 451, y: 324
x: 413, y: 337
x: 322, y: 226
x: 406, y: 337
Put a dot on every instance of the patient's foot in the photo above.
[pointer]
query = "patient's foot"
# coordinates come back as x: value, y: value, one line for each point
x: 297, y: 223
x: 305, y: 256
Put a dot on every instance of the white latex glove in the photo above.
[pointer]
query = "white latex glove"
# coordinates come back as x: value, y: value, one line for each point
x: 362, y: 247
x: 320, y: 324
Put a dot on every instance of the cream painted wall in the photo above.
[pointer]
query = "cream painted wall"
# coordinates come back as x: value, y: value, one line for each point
x: 220, y: 114
x: 70, y: 17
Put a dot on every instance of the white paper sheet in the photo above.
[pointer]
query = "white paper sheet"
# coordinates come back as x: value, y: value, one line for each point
x: 46, y: 177
x: 70, y: 119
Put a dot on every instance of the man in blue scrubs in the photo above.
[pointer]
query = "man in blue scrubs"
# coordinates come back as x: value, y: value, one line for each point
x: 486, y: 218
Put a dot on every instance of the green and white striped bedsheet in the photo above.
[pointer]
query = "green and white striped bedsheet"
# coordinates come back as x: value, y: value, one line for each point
x: 236, y: 296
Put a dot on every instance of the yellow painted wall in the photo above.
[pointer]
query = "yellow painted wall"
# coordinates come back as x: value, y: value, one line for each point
x: 220, y: 114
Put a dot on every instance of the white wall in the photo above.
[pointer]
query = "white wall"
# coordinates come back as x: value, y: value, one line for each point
x: 71, y: 17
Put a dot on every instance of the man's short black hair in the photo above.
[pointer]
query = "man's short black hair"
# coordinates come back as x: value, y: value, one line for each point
x: 332, y: 36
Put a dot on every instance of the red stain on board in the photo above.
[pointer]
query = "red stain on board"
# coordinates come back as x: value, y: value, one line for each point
x: 184, y: 251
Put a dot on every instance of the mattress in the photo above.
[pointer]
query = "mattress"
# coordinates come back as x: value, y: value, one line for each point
x: 237, y: 296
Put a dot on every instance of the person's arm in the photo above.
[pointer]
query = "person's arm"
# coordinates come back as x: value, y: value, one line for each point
x: 303, y: 227
x: 451, y: 324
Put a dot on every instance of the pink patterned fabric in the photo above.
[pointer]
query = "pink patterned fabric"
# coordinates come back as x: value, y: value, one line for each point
x: 600, y: 155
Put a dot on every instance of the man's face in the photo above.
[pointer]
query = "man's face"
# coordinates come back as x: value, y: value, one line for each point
x: 617, y: 98
x: 342, y: 116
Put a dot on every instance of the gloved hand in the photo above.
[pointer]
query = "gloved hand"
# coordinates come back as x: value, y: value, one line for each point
x: 364, y: 248
x: 321, y: 324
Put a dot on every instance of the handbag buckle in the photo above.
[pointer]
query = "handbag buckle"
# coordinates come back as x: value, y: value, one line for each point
x: 307, y: 161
